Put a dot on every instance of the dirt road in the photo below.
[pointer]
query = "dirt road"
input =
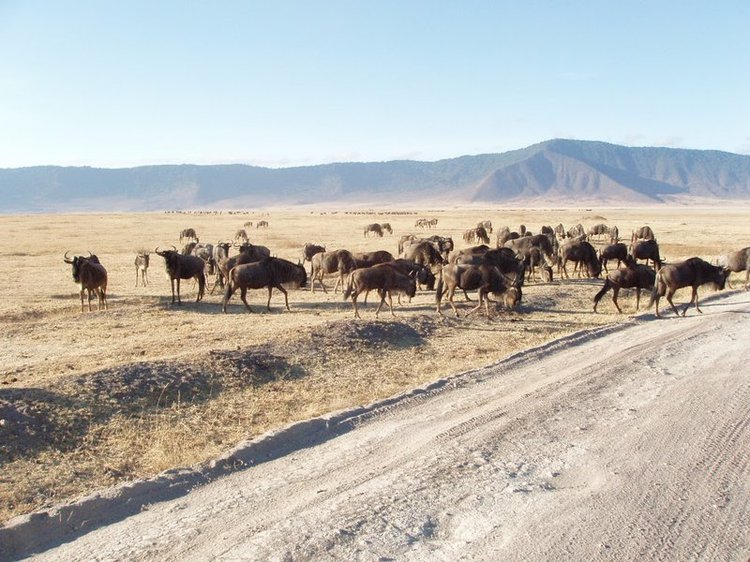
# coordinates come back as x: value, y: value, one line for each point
x: 621, y: 443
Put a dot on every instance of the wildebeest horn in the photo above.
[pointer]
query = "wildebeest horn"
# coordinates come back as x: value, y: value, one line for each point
x: 66, y: 259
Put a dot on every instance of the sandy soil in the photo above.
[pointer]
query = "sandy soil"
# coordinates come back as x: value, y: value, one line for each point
x: 617, y: 443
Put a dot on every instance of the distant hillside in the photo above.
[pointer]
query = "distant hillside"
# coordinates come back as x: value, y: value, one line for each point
x: 553, y: 172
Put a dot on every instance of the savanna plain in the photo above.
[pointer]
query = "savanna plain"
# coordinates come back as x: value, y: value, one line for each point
x: 92, y: 399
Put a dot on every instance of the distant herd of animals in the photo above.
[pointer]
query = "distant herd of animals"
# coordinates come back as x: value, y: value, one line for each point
x: 430, y: 263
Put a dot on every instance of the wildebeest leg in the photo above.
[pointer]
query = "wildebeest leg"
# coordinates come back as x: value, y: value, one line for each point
x: 615, y: 292
x: 479, y: 305
x: 670, y: 294
x: 451, y: 291
x: 694, y: 297
x: 243, y: 296
x: 637, y: 298
x: 354, y: 304
x: 286, y: 297
x: 747, y: 274
x: 564, y: 268
x: 466, y: 295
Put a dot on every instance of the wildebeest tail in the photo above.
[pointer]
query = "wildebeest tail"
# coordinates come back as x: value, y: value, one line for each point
x: 656, y: 290
x: 600, y: 294
x: 439, y: 291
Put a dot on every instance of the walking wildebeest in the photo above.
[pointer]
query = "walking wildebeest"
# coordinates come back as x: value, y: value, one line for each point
x: 91, y: 277
x: 424, y: 253
x: 336, y: 261
x: 268, y: 272
x: 385, y: 279
x: 692, y: 272
x: 737, y: 262
x: 387, y: 227
x: 632, y: 276
x: 484, y: 278
x: 487, y: 225
x: 375, y: 229
x: 141, y: 267
x: 183, y: 267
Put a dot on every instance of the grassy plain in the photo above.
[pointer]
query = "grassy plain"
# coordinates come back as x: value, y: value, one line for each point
x: 88, y: 400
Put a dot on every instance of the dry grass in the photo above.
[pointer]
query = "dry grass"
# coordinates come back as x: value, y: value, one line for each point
x: 98, y: 398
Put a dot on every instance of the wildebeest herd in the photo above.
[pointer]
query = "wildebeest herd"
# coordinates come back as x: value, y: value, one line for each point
x: 430, y: 263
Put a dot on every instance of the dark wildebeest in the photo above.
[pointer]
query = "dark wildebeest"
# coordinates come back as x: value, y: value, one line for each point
x: 575, y: 231
x: 336, y: 261
x: 375, y: 229
x: 613, y: 252
x: 268, y: 272
x: 560, y: 231
x: 219, y: 256
x: 91, y: 277
x: 141, y: 267
x: 385, y: 279
x: 737, y: 262
x: 504, y: 234
x: 647, y: 250
x: 421, y: 273
x: 309, y: 250
x: 248, y: 253
x: 188, y: 234
x: 406, y: 240
x: 261, y: 224
x: 387, y: 227
x: 692, y: 272
x: 424, y: 253
x: 524, y: 244
x: 583, y: 253
x: 614, y: 235
x: 632, y: 276
x: 484, y: 278
x: 183, y: 267
x: 368, y: 259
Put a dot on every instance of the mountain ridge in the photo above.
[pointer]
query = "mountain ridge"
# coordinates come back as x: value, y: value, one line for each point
x: 557, y: 171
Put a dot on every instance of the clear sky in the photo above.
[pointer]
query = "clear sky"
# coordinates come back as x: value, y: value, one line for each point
x: 283, y: 83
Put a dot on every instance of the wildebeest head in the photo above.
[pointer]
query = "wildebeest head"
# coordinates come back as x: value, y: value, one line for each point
x: 171, y: 257
x: 77, y: 262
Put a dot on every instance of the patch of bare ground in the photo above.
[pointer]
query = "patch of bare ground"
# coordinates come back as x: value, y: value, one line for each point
x: 90, y: 400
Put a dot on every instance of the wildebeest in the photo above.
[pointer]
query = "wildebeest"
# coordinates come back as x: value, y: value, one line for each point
x: 248, y: 253
x: 503, y: 235
x: 309, y: 250
x: 478, y: 234
x: 737, y: 262
x: 642, y: 233
x: 268, y: 272
x: 647, y: 250
x: 248, y: 224
x: 632, y: 276
x: 486, y: 224
x: 614, y: 235
x: 583, y: 253
x: 524, y: 244
x: 375, y: 229
x: 613, y: 252
x: 261, y: 224
x: 387, y: 227
x: 560, y: 231
x: 575, y: 231
x: 188, y: 234
x: 598, y: 230
x: 91, y: 277
x: 424, y: 253
x: 141, y: 267
x: 692, y: 272
x: 385, y: 279
x: 484, y: 278
x: 336, y: 261
x: 183, y: 267
x: 368, y: 259
x: 444, y: 244
x: 241, y: 234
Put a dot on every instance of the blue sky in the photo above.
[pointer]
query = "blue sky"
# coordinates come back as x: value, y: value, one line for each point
x: 115, y: 84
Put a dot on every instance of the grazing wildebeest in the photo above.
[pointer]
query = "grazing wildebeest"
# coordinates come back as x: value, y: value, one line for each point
x: 478, y: 234
x: 575, y: 231
x: 524, y: 244
x: 91, y: 277
x: 183, y: 267
x: 375, y: 229
x: 598, y: 230
x: 188, y: 234
x: 632, y: 276
x: 336, y: 261
x: 547, y: 231
x: 385, y: 279
x: 647, y: 250
x: 387, y: 227
x: 444, y: 244
x: 613, y: 252
x: 484, y: 278
x: 309, y: 250
x: 642, y: 233
x: 692, y: 272
x: 141, y: 267
x: 268, y: 272
x: 241, y: 234
x: 737, y: 262
x: 583, y: 253
x: 248, y: 224
x: 432, y: 223
x: 261, y: 224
